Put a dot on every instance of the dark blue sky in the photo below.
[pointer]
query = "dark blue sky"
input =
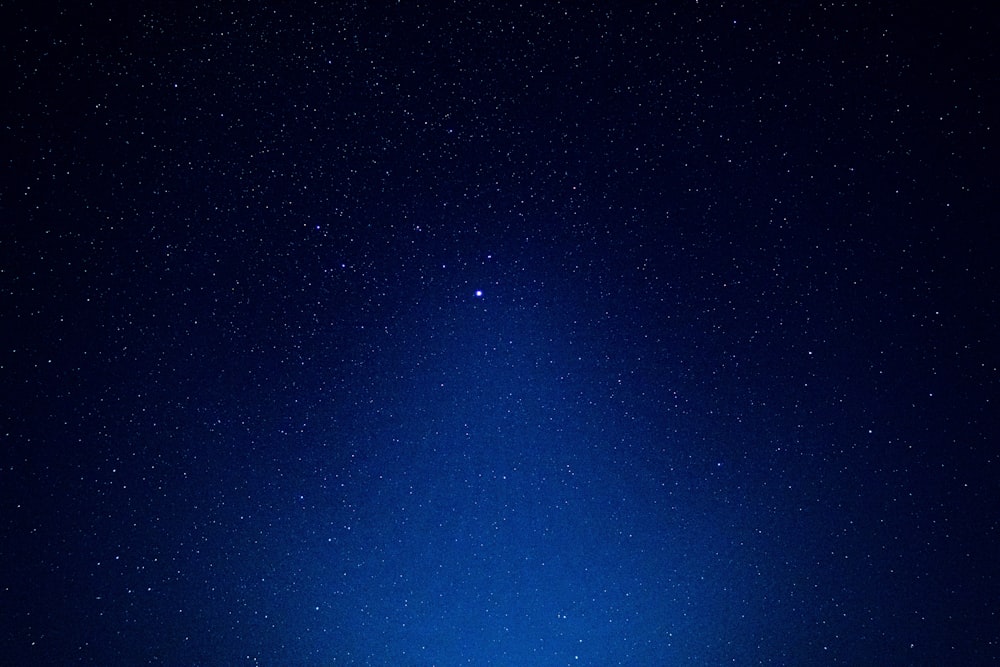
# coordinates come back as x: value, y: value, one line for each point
x: 451, y: 333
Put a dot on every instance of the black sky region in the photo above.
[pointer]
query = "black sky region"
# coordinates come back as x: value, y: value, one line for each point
x: 440, y: 333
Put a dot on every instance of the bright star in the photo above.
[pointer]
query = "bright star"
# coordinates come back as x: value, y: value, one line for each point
x: 479, y: 293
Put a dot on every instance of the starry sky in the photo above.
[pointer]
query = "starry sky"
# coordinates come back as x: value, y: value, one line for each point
x: 440, y: 333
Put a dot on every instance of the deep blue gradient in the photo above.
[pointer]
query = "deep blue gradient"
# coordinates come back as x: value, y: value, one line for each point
x: 452, y: 334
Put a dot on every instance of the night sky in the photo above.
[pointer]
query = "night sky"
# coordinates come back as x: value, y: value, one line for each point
x: 465, y: 333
